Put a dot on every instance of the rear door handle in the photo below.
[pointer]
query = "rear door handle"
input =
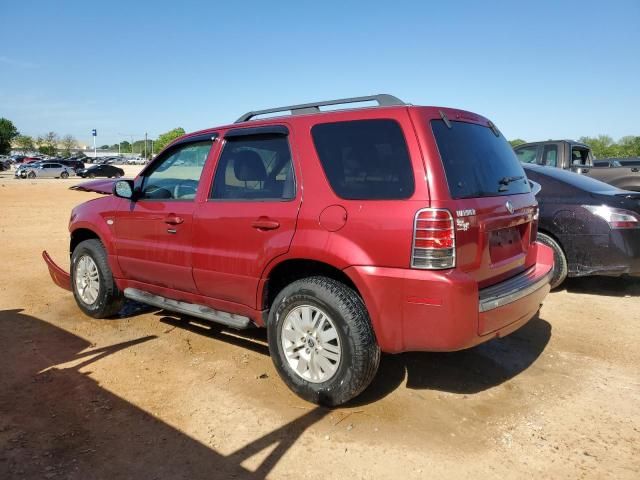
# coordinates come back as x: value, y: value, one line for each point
x: 264, y: 223
x: 173, y: 219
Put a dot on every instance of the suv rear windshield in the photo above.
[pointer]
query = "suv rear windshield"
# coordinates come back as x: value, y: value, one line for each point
x: 365, y: 159
x: 478, y: 163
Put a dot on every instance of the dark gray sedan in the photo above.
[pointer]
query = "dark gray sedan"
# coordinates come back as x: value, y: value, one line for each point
x: 592, y: 227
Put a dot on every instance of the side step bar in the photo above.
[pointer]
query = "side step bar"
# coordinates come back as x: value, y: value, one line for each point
x: 200, y: 311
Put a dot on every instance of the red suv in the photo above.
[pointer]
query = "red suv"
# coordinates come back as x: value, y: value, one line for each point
x: 343, y: 232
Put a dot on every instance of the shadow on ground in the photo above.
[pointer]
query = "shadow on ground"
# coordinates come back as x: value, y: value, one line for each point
x: 606, y: 286
x: 56, y: 422
x: 468, y: 371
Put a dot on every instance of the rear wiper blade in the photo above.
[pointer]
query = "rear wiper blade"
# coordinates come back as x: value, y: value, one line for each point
x: 508, y: 180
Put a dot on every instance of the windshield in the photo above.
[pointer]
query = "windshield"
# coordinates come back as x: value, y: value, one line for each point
x: 478, y: 163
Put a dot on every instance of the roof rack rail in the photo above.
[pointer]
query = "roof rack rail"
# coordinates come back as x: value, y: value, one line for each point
x: 383, y: 100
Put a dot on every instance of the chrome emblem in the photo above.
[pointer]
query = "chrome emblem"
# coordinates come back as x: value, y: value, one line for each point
x: 509, y: 206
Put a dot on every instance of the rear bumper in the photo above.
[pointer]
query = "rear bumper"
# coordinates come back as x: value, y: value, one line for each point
x: 421, y: 310
x: 58, y: 275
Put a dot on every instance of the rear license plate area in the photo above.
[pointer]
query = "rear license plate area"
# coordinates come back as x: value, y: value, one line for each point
x: 504, y: 244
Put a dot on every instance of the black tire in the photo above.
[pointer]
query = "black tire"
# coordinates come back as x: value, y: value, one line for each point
x: 360, y: 354
x: 64, y: 175
x: 560, y: 266
x: 109, y: 300
x: 31, y: 175
x: 91, y: 175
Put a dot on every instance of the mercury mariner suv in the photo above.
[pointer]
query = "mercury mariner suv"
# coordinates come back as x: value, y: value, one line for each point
x: 345, y: 233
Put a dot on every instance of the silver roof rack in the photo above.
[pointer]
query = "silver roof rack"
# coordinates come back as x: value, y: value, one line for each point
x: 383, y: 100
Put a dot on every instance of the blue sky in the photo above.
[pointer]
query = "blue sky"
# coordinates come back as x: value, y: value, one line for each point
x: 540, y: 70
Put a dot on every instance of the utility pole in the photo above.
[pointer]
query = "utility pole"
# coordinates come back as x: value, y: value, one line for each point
x: 145, y: 145
x: 94, y: 132
x: 151, y: 148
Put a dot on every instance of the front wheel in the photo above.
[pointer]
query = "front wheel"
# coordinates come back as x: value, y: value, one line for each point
x: 321, y: 341
x: 560, y: 266
x: 93, y: 286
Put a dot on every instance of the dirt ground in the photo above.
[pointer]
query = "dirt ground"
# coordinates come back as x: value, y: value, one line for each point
x: 153, y: 396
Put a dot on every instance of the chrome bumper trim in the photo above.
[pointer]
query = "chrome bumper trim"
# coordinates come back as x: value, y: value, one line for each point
x: 512, y: 290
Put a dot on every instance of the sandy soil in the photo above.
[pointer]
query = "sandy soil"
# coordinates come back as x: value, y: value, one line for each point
x: 150, y: 395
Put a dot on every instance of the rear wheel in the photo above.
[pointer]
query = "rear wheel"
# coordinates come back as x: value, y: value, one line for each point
x: 93, y: 286
x: 91, y: 175
x: 560, y: 266
x: 31, y: 175
x: 64, y: 175
x: 321, y: 341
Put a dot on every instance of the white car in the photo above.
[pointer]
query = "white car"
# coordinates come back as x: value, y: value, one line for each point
x: 46, y: 170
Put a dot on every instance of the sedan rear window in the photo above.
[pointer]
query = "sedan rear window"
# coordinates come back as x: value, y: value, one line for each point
x: 365, y: 159
x: 478, y: 163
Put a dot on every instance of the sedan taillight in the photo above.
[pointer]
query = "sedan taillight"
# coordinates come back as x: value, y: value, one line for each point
x: 434, y: 241
x: 617, y: 218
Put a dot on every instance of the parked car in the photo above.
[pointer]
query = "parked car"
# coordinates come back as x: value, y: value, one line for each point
x: 577, y: 157
x: 101, y: 170
x: 592, y: 227
x: 75, y: 165
x: 45, y: 170
x: 21, y: 169
x: 416, y: 232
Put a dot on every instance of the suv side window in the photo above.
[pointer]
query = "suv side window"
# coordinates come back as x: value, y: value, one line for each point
x: 177, y: 175
x: 365, y: 159
x: 255, y: 167
x: 527, y: 154
x: 550, y: 156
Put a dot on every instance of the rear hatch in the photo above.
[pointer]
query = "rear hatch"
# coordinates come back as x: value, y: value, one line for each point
x: 490, y: 199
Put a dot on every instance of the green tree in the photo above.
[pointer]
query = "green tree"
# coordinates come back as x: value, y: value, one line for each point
x: 104, y: 147
x: 68, y: 143
x: 125, y: 147
x: 24, y: 143
x: 629, y: 146
x: 517, y: 141
x: 8, y: 132
x: 48, y: 143
x: 166, y: 138
x: 602, y: 146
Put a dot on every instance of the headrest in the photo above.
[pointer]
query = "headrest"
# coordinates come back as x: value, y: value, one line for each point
x: 248, y: 167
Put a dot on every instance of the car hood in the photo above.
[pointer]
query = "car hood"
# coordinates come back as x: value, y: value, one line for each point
x: 104, y: 186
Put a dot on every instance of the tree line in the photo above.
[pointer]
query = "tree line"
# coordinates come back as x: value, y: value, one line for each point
x: 53, y: 144
x: 604, y: 146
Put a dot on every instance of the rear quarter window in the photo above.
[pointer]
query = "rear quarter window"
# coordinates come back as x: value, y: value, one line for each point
x: 365, y: 159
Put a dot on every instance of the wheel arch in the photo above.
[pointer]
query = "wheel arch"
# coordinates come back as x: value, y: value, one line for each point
x: 291, y: 269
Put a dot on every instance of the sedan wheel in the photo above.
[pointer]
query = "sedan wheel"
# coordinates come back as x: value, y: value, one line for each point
x: 64, y: 175
x: 91, y: 175
x: 31, y: 175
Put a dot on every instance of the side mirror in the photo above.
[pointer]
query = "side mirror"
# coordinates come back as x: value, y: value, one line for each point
x: 123, y: 189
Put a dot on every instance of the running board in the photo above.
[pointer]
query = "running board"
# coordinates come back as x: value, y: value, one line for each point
x: 195, y: 310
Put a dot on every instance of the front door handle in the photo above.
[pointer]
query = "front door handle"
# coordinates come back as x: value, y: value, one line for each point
x: 263, y: 223
x: 172, y: 219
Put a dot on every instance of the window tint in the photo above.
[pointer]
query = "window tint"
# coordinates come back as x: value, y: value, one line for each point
x: 365, y: 159
x: 550, y: 156
x: 176, y: 175
x: 255, y: 167
x: 476, y: 162
x: 527, y: 154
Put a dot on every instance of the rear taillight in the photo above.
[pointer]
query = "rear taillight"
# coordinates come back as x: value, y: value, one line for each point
x: 616, y: 217
x: 535, y: 219
x: 434, y: 240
